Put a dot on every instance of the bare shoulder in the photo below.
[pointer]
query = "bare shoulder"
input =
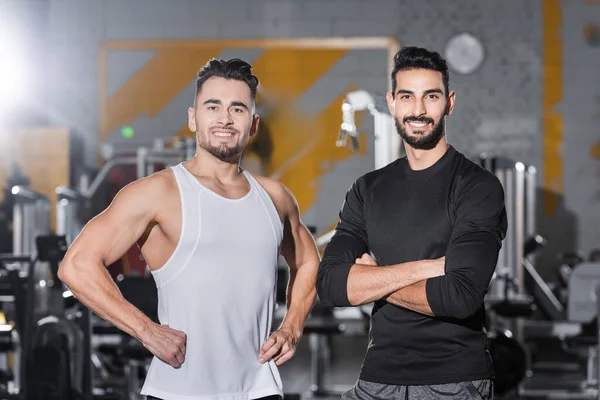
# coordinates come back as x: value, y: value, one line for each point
x: 282, y: 197
x: 275, y: 188
x: 158, y: 187
x: 162, y: 180
x: 155, y: 184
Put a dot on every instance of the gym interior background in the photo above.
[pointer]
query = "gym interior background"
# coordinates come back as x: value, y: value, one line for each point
x: 93, y: 94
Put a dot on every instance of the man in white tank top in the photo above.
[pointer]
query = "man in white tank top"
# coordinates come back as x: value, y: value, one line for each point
x: 211, y: 234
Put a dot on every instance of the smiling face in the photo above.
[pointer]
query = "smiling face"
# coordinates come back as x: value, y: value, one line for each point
x: 223, y: 118
x: 419, y: 106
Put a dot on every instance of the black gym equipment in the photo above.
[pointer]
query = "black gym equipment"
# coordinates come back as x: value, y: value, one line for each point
x: 567, y: 262
x: 55, y: 350
x: 515, y: 306
x: 127, y: 354
x: 54, y: 361
x: 19, y: 287
x: 510, y: 361
x: 321, y: 327
x: 52, y: 249
x: 545, y: 299
x: 508, y: 352
x: 63, y: 340
x: 594, y: 255
x: 59, y: 344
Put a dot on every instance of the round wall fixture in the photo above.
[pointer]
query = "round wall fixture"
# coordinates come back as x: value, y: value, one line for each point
x: 464, y: 53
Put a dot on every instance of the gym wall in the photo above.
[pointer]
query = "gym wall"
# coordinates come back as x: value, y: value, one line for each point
x: 532, y: 99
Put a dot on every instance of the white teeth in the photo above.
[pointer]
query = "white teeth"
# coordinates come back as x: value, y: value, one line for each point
x: 417, y: 124
x: 222, y: 134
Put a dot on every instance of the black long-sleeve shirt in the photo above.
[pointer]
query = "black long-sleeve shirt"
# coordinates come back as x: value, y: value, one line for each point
x: 454, y: 209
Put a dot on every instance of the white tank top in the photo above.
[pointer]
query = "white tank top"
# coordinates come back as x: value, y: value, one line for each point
x: 219, y: 287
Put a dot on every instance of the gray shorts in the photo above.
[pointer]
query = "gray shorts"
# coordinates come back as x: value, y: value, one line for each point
x: 469, y: 390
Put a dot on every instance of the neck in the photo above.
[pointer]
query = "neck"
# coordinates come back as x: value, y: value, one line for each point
x: 419, y: 159
x: 207, y: 165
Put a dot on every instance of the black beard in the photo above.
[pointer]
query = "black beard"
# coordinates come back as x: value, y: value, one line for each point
x: 422, y: 142
x: 222, y: 152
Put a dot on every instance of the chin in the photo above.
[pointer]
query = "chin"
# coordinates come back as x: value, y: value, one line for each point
x: 419, y: 133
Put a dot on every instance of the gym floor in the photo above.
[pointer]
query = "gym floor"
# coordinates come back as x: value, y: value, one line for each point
x: 347, y: 353
x: 346, y: 357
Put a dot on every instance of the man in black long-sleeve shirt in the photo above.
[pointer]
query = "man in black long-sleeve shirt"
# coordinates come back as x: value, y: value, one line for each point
x: 434, y: 222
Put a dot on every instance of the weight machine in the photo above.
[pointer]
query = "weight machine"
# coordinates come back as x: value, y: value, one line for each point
x: 579, y: 334
x: 517, y: 290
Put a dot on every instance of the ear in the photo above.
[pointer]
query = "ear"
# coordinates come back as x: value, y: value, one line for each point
x: 391, y: 102
x: 451, y: 100
x: 192, y: 119
x: 254, y: 127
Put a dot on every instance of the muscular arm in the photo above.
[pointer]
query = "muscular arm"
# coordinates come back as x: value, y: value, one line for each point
x: 300, y: 252
x: 369, y: 283
x: 101, y: 242
x: 471, y: 257
x: 342, y: 282
x: 413, y: 297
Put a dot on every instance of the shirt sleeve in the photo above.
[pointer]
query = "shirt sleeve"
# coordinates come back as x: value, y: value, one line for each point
x: 348, y: 243
x: 472, y: 252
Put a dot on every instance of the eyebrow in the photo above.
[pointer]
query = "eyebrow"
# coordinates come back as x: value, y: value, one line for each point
x: 428, y: 91
x: 233, y: 103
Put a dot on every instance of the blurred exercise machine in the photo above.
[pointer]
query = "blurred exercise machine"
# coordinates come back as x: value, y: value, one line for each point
x: 524, y: 310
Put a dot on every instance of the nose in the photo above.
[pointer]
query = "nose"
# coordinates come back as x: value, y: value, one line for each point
x: 224, y: 117
x: 419, y: 108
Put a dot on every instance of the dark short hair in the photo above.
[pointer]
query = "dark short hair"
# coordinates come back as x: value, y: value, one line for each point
x: 419, y: 58
x: 234, y: 69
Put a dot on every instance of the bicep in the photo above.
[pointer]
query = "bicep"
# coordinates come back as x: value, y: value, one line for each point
x: 471, y: 258
x: 350, y: 240
x: 477, y: 237
x: 344, y: 248
x: 110, y: 234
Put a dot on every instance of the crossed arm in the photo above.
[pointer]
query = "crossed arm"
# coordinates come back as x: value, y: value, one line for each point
x: 412, y: 296
x: 346, y: 277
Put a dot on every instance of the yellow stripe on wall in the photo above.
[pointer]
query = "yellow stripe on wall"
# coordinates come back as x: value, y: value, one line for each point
x: 302, y: 143
x: 595, y: 151
x: 285, y: 74
x: 154, y: 86
x: 291, y: 72
x: 553, y: 120
x: 319, y: 154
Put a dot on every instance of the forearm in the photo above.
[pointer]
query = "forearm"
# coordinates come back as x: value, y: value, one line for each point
x: 370, y: 283
x: 413, y: 297
x: 301, y: 295
x: 93, y: 286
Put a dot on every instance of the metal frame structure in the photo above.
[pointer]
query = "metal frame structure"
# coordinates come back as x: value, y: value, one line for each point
x: 31, y: 217
x: 519, y: 183
x: 387, y: 143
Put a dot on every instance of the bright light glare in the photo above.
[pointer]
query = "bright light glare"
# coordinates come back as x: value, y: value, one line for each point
x: 12, y: 75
